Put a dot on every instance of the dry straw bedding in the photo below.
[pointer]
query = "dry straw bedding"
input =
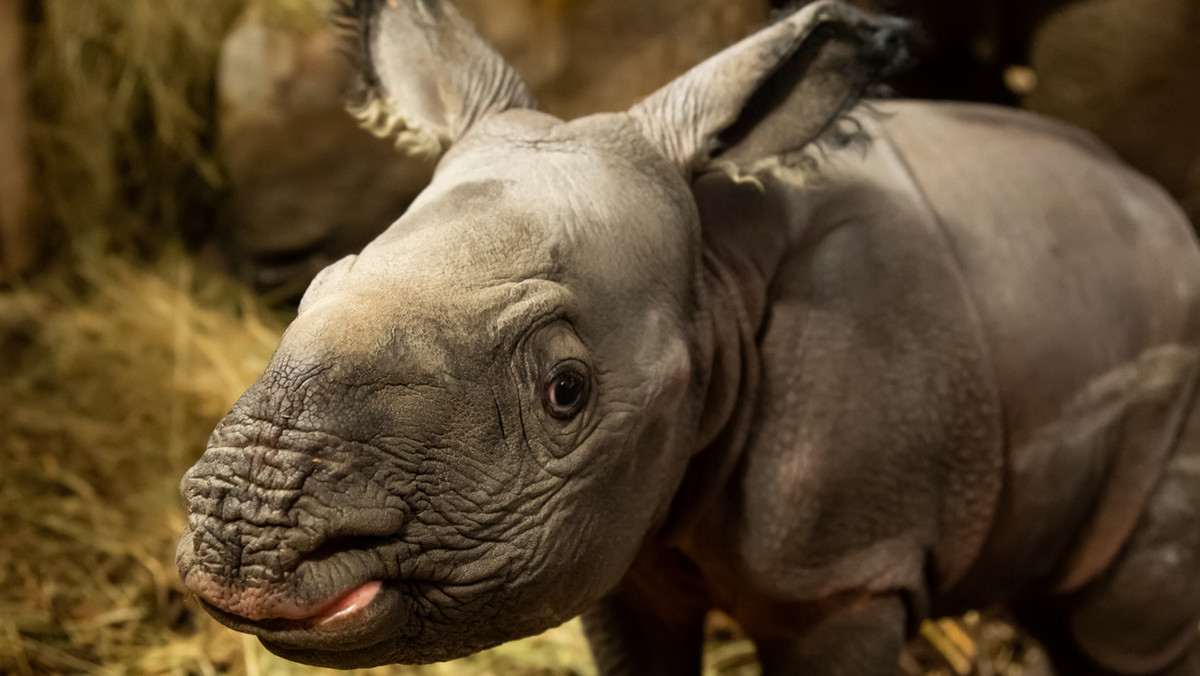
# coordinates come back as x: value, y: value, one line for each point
x: 113, y: 370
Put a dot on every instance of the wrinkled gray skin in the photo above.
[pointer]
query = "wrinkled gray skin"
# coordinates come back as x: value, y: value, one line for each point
x: 833, y: 388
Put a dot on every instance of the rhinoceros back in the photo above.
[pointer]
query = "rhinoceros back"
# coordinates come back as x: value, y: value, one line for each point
x: 1086, y: 278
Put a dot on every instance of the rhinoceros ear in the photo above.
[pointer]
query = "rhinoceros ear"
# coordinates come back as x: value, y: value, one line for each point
x: 426, y: 75
x: 778, y: 89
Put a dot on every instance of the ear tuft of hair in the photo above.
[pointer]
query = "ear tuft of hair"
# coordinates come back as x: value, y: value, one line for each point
x: 885, y: 46
x: 883, y: 41
x: 883, y: 51
x: 882, y: 37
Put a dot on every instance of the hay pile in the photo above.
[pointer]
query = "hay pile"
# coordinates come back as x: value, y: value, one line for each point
x: 122, y: 100
x: 116, y: 362
x: 112, y: 381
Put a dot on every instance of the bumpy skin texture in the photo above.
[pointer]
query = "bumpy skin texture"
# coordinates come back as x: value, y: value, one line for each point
x: 944, y: 357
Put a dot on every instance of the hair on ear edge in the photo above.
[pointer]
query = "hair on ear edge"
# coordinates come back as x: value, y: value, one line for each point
x: 802, y: 165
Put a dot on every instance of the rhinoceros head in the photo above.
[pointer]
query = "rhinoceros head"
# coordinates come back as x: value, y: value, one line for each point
x: 472, y: 425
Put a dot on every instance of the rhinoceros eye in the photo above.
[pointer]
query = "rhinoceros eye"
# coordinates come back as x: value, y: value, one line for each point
x: 565, y: 390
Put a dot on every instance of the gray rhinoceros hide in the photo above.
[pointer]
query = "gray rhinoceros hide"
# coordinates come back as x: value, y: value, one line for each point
x: 751, y: 346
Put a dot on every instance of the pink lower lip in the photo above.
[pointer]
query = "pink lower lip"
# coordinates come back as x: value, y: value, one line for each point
x: 349, y: 603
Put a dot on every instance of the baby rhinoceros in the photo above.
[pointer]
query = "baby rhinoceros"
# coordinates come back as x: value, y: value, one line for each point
x: 831, y: 368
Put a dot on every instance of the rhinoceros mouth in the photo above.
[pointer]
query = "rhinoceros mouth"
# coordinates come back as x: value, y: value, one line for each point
x: 340, y: 609
x: 372, y: 625
x: 355, y: 619
x: 347, y: 605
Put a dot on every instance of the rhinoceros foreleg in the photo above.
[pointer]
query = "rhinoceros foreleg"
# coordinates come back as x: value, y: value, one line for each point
x: 653, y: 623
x: 628, y: 638
x: 862, y: 637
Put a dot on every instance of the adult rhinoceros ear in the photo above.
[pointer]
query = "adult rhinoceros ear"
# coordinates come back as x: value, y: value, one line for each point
x: 426, y: 75
x: 778, y: 89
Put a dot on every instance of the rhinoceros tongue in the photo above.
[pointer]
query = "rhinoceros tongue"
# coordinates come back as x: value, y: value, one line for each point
x: 347, y: 604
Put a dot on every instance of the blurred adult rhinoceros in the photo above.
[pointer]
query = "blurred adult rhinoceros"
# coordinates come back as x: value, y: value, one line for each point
x: 749, y: 345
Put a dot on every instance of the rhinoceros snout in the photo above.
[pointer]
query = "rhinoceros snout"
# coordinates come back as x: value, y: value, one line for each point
x: 285, y: 534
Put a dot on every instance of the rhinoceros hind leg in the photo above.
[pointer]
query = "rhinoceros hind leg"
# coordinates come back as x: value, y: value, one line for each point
x: 1142, y: 617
